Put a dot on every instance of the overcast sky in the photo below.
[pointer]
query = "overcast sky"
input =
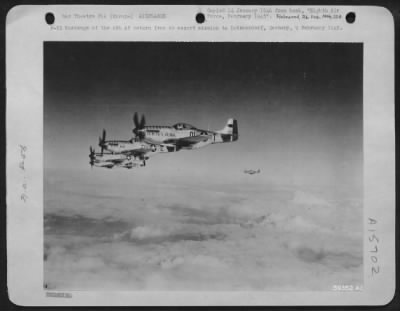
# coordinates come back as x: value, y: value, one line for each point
x: 298, y: 106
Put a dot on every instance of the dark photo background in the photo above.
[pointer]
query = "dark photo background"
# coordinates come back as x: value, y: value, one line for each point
x: 193, y: 219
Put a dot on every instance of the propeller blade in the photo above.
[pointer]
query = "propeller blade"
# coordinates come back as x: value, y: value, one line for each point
x: 102, y: 141
x: 139, y: 125
x: 142, y: 122
x: 92, y: 156
x: 101, y: 145
x: 136, y: 120
x: 104, y: 135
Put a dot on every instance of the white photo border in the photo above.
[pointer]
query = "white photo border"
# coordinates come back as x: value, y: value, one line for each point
x: 26, y: 31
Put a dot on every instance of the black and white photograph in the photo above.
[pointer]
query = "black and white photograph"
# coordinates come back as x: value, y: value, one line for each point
x: 202, y: 166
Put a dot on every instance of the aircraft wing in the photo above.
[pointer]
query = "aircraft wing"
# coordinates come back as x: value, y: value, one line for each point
x: 136, y: 152
x: 166, y: 143
x: 109, y: 165
x: 114, y: 161
x: 187, y: 141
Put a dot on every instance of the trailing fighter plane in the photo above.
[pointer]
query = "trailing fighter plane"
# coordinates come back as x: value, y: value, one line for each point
x: 135, y: 147
x: 183, y: 135
x: 124, y: 153
x: 109, y: 160
x: 252, y: 172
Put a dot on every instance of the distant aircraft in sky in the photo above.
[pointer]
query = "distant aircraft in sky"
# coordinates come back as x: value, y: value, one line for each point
x: 154, y: 139
x: 252, y: 172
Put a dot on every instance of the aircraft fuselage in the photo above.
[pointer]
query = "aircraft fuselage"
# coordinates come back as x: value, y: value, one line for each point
x: 181, y: 131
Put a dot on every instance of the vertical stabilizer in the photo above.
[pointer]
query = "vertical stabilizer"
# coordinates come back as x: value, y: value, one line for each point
x: 230, y: 131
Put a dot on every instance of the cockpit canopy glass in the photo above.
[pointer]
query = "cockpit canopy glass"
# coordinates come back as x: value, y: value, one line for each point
x: 184, y: 126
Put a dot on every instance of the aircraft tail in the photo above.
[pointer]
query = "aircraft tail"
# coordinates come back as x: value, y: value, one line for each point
x: 230, y: 130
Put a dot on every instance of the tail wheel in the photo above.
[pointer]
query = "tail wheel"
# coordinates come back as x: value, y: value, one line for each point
x: 153, y: 148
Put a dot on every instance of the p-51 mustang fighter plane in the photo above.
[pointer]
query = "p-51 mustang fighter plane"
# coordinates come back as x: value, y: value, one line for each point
x: 135, y: 147
x: 124, y: 153
x: 151, y: 140
x: 252, y: 172
x: 183, y: 135
x: 109, y: 160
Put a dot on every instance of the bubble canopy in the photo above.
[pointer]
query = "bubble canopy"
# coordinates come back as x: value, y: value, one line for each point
x: 184, y: 126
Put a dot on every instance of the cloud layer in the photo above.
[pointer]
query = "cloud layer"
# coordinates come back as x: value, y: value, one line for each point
x: 198, y: 237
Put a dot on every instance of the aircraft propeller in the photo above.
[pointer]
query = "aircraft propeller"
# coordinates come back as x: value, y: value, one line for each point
x: 102, y: 141
x: 92, y: 156
x: 139, y: 125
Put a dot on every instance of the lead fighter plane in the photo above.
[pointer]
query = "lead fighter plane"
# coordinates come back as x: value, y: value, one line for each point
x: 183, y: 135
x: 153, y: 139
